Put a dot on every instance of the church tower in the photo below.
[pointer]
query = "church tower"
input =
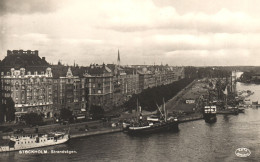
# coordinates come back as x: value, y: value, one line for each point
x: 118, y: 59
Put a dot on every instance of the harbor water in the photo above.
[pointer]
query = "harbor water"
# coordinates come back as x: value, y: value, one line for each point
x: 195, y: 141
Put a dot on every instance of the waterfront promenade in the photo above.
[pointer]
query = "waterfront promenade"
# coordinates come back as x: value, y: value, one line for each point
x: 91, y: 128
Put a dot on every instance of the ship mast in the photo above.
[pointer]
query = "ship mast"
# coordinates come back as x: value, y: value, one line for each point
x: 159, y: 109
x: 165, y: 113
x: 136, y: 112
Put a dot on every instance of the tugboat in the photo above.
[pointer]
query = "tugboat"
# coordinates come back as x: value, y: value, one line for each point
x: 210, y: 114
x: 153, y: 124
x: 29, y: 141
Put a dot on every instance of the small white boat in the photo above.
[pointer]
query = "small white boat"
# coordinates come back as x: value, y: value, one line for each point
x: 29, y: 141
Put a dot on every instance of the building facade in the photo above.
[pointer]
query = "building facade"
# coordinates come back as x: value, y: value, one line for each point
x: 99, y: 86
x: 36, y: 86
x: 69, y: 90
x: 27, y: 79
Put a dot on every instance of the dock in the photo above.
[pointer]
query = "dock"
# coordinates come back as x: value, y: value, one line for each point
x: 192, y: 118
x: 97, y: 132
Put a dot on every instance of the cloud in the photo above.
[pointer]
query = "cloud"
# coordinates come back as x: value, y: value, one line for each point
x: 93, y: 31
x: 27, y: 6
x: 128, y: 16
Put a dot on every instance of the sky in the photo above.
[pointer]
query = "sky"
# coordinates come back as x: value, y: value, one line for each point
x: 174, y: 32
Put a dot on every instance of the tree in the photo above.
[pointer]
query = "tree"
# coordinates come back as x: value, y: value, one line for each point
x: 96, y: 111
x: 1, y: 96
x: 9, y: 109
x: 66, y: 114
x: 149, y: 98
x: 246, y: 76
x: 32, y: 119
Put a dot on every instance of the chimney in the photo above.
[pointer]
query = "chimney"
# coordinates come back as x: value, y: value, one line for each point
x: 20, y: 51
x: 9, y: 52
x: 43, y: 58
x: 36, y: 52
x: 15, y: 51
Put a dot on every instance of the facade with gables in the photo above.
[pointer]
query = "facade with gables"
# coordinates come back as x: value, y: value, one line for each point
x: 36, y: 86
x: 69, y: 89
x: 29, y: 85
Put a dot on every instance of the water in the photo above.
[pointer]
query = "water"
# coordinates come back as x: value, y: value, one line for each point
x: 196, y: 141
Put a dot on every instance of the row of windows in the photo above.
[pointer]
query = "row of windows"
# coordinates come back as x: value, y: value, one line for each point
x: 25, y: 142
x: 33, y: 141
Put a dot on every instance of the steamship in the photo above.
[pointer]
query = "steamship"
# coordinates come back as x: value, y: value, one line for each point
x: 30, y: 141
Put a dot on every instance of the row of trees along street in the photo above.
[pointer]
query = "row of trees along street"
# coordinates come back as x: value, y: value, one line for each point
x: 148, y: 98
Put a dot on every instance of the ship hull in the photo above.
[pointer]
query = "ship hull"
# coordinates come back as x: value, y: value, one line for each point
x: 210, y: 118
x: 33, y: 144
x: 228, y: 112
x: 169, y: 126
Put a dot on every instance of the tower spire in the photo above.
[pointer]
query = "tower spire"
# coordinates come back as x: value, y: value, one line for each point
x: 118, y: 58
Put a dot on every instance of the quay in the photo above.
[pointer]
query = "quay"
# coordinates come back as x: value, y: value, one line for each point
x: 97, y: 132
x: 191, y: 118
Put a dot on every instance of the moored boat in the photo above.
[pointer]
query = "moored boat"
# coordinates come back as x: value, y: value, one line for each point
x: 241, y: 110
x: 29, y: 141
x: 152, y: 127
x: 210, y: 114
x: 229, y: 111
x: 153, y: 124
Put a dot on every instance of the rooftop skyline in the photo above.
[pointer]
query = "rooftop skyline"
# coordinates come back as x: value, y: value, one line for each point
x: 178, y: 33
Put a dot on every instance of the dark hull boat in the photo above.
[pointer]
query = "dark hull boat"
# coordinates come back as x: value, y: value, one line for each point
x: 210, y: 114
x: 228, y: 111
x: 241, y: 110
x: 210, y: 118
x: 153, y: 128
x: 154, y: 123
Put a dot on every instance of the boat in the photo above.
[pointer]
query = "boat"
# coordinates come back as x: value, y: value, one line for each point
x: 30, y: 141
x: 171, y: 124
x: 153, y: 123
x: 241, y: 110
x: 210, y: 114
x: 255, y: 104
x: 125, y: 126
x: 229, y: 110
